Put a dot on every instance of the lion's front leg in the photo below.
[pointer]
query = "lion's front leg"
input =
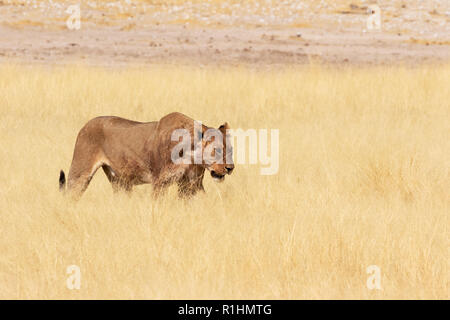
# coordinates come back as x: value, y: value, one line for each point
x: 187, y: 189
x: 159, y: 188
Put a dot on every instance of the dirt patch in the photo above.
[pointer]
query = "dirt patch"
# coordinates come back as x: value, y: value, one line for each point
x: 291, y: 32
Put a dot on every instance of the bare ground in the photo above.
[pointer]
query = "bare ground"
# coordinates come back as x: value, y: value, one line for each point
x: 156, y: 34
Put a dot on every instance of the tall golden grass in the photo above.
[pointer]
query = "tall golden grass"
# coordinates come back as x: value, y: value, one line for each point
x: 363, y: 180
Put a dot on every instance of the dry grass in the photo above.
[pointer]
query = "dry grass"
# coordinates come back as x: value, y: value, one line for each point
x: 363, y: 180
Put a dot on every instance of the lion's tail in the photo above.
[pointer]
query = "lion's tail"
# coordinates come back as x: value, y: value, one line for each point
x: 62, y: 181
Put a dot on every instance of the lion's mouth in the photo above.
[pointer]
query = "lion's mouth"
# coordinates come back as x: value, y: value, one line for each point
x: 216, y: 176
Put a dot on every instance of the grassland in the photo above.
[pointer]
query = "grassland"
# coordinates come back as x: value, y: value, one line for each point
x: 363, y: 180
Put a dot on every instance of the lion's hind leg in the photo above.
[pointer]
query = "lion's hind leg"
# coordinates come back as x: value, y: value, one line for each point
x: 80, y: 175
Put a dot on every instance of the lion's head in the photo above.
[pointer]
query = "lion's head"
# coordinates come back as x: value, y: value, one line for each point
x: 218, y: 152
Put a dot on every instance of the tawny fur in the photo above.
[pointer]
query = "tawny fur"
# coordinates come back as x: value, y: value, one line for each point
x: 132, y: 153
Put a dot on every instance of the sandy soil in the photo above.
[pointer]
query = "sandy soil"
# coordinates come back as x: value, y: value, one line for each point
x: 256, y: 33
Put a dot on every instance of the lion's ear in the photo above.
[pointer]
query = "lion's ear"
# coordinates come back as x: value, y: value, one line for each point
x: 224, y: 127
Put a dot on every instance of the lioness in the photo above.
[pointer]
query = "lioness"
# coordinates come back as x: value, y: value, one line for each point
x: 132, y: 153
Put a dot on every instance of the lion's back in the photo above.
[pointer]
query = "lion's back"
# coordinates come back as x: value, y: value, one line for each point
x: 111, y: 132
